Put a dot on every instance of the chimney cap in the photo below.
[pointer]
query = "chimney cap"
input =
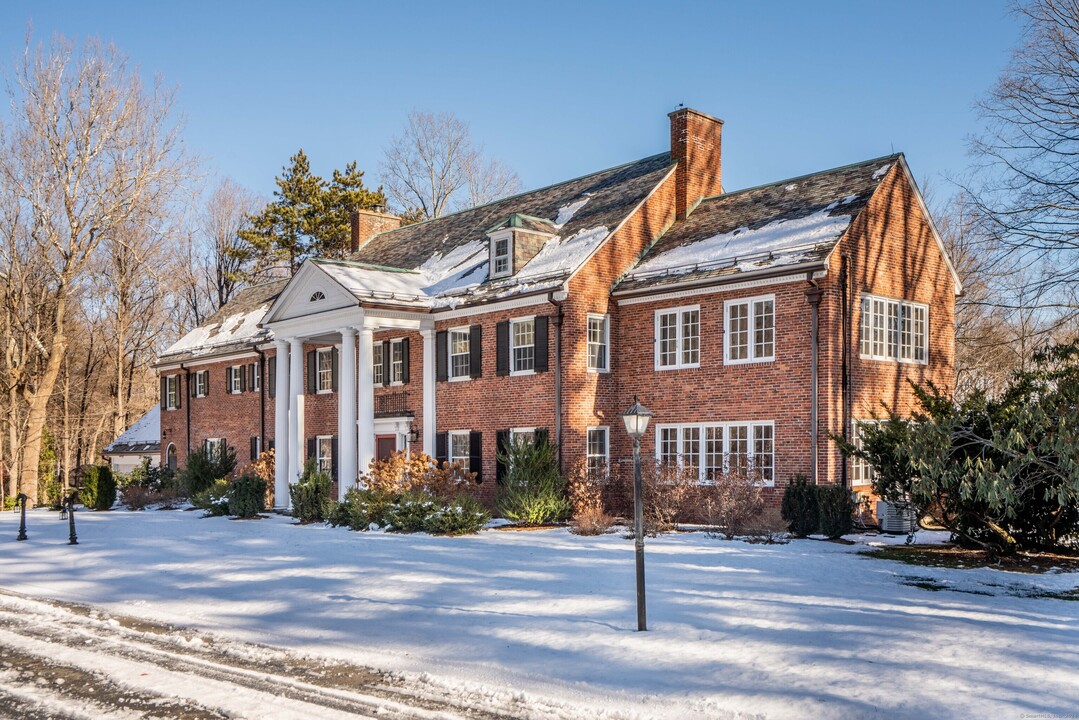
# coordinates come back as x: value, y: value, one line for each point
x: 682, y: 110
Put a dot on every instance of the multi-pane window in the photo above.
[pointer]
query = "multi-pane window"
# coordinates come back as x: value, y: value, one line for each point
x: 397, y: 361
x: 256, y: 377
x: 678, y: 338
x: 457, y: 448
x: 378, y: 368
x: 751, y: 330
x: 522, y: 435
x: 324, y: 369
x: 202, y: 381
x: 501, y: 257
x: 861, y: 472
x: 522, y: 346
x: 717, y: 448
x: 324, y: 453
x: 597, y: 450
x: 236, y: 379
x: 459, y: 353
x: 172, y: 392
x: 894, y: 330
x: 215, y: 447
x: 598, y: 342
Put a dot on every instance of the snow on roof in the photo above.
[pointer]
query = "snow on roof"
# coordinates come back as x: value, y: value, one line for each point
x: 143, y: 435
x: 236, y: 323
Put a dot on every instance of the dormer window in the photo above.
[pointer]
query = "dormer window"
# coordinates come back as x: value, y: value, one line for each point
x: 502, y: 255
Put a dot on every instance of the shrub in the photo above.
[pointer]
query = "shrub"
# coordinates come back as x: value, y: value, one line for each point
x: 800, y: 507
x: 205, y: 466
x: 667, y: 487
x: 462, y: 515
x: 418, y: 471
x: 247, y: 493
x: 311, y: 495
x: 411, y: 512
x: 137, y: 497
x: 98, y: 490
x: 731, y: 502
x: 51, y: 494
x: 214, y: 499
x: 591, y: 522
x: 361, y: 508
x: 768, y: 527
x: 836, y: 510
x: 263, y: 467
x: 533, y: 491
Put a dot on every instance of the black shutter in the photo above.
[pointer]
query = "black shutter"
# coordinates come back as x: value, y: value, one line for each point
x: 404, y: 358
x: 333, y: 368
x: 475, y: 454
x: 254, y: 448
x: 179, y: 390
x: 541, y: 436
x: 164, y: 392
x: 312, y: 371
x: 228, y: 380
x: 333, y: 458
x: 475, y: 351
x: 252, y: 376
x: 502, y: 348
x: 243, y: 377
x: 271, y: 444
x: 541, y: 344
x: 502, y: 442
x: 441, y: 448
x: 442, y: 372
x: 192, y: 384
x: 312, y: 448
x: 387, y: 366
x: 271, y: 376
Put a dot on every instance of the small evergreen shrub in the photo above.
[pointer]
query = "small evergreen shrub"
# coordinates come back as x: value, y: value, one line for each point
x: 311, y: 495
x: 411, y: 512
x: 205, y: 466
x: 246, y: 495
x: 800, y: 507
x: 98, y: 490
x: 462, y: 515
x: 51, y: 494
x: 533, y: 491
x: 836, y: 510
x: 214, y: 499
x: 361, y: 508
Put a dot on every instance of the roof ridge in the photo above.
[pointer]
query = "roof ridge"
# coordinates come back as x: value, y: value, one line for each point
x: 526, y: 192
x: 369, y: 266
x: 893, y: 156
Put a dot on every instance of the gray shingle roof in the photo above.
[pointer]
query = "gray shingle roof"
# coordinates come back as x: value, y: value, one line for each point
x: 783, y: 223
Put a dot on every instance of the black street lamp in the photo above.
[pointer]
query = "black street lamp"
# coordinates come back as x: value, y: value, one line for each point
x: 72, y: 538
x: 636, y: 419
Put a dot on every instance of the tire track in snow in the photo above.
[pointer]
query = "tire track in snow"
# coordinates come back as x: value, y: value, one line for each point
x: 226, y: 676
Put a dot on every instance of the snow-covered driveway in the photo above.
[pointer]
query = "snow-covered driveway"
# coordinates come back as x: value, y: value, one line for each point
x: 541, y: 624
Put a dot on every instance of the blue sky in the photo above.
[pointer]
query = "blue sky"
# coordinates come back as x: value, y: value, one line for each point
x: 559, y: 89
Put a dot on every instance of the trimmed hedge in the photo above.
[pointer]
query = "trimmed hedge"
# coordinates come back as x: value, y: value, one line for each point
x: 812, y: 509
x: 98, y: 490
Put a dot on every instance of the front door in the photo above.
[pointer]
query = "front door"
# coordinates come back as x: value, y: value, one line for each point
x: 385, y: 446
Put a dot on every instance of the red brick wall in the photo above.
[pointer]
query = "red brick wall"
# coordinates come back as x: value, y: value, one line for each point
x: 696, y: 146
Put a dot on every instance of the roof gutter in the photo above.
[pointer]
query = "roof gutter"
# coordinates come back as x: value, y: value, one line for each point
x: 795, y: 272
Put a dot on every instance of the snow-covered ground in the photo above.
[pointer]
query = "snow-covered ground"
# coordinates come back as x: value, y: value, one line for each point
x: 546, y: 619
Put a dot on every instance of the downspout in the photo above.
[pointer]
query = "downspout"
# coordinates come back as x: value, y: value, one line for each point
x: 558, y: 372
x: 844, y: 281
x: 262, y: 401
x: 813, y: 296
x: 187, y: 404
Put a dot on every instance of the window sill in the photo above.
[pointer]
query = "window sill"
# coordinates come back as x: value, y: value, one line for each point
x: 750, y: 361
x: 678, y: 367
x: 324, y: 392
x: 520, y: 373
x: 461, y: 378
x: 898, y: 361
x: 599, y: 371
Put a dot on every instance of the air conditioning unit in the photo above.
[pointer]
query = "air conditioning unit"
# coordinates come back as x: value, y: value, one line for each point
x: 897, y: 518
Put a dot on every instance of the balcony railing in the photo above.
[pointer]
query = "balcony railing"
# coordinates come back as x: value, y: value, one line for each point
x: 392, y: 405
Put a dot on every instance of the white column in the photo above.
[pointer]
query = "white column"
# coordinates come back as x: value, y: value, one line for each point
x: 366, y: 399
x: 346, y: 413
x: 281, y: 426
x: 296, y: 447
x: 428, y: 390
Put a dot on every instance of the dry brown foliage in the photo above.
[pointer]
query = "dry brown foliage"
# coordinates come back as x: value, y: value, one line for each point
x: 264, y: 468
x: 768, y: 526
x: 731, y: 502
x: 417, y: 472
x: 666, y: 487
x: 137, y: 497
x: 592, y: 521
x: 585, y: 488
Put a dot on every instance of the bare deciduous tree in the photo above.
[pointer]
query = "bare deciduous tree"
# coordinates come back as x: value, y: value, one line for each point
x: 92, y: 150
x: 434, y: 167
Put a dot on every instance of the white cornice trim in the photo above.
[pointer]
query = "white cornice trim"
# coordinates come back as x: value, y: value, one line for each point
x: 306, y: 326
x: 525, y: 301
x: 932, y: 225
x: 167, y: 365
x: 712, y: 289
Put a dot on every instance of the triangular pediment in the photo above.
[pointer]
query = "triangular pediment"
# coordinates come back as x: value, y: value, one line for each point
x: 310, y: 291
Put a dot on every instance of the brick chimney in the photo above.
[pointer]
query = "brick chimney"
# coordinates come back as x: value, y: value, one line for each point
x: 368, y: 223
x: 696, y: 147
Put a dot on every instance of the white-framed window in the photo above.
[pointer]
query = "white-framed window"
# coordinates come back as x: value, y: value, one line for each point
x: 522, y: 346
x: 378, y: 369
x: 214, y: 446
x: 256, y: 377
x: 457, y: 447
x: 324, y: 453
x: 172, y: 392
x: 713, y: 448
x: 599, y: 342
x: 502, y: 255
x: 397, y: 362
x: 236, y: 376
x: 894, y: 330
x: 202, y: 382
x: 522, y: 434
x: 460, y: 356
x: 749, y: 330
x: 678, y: 338
x: 861, y: 472
x: 597, y: 449
x: 324, y: 370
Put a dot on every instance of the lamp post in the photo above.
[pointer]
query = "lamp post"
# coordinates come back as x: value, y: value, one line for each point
x: 21, y: 499
x: 636, y: 419
x: 72, y: 538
